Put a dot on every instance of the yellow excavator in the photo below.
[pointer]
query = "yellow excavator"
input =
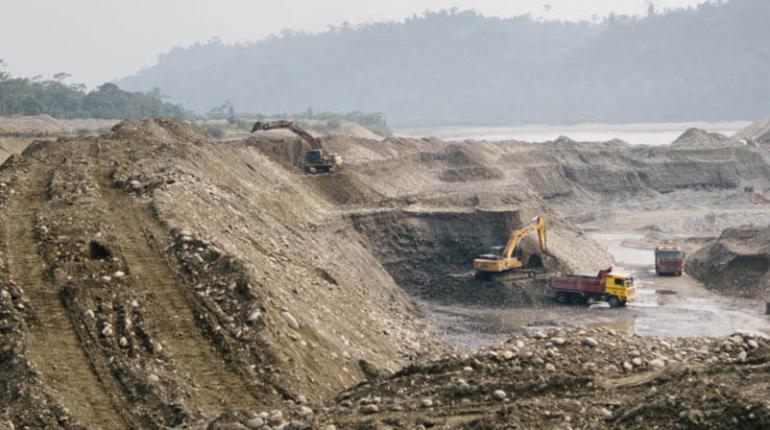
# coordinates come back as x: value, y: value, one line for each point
x: 317, y: 159
x: 509, y: 258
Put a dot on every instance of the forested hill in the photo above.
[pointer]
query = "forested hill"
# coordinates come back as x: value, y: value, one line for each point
x: 709, y: 63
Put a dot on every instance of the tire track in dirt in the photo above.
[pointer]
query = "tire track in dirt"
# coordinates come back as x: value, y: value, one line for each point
x: 169, y: 313
x: 53, y: 344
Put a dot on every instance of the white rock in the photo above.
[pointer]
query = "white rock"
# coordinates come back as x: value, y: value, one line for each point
x: 4, y: 296
x: 741, y: 356
x: 123, y: 341
x: 255, y: 316
x: 89, y: 314
x: 153, y: 378
x: 290, y: 320
x: 468, y: 369
x: 255, y: 423
x: 499, y: 395
x: 508, y: 354
x: 275, y: 417
x: 589, y: 341
x: 628, y: 366
x: 753, y: 344
x: 636, y: 361
x: 305, y: 412
x: 119, y: 274
x: 426, y: 402
x: 559, y: 341
x: 656, y: 363
x: 550, y: 367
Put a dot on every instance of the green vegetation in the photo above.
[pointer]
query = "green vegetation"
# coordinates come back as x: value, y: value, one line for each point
x: 451, y: 67
x: 21, y: 96
x: 374, y: 122
x: 323, y: 121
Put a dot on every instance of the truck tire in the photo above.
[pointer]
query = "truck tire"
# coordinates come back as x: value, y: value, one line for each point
x: 679, y: 273
x: 577, y: 299
x: 614, y: 301
x: 562, y: 298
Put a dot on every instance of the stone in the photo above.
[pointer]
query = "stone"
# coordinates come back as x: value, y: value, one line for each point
x: 275, y: 417
x: 636, y: 362
x: 119, y: 274
x: 508, y: 354
x: 290, y: 320
x: 370, y: 409
x: 305, y: 412
x: 255, y: 316
x: 426, y: 402
x: 153, y: 378
x: 591, y: 342
x: 656, y: 363
x: 550, y: 367
x: 753, y: 344
x: 741, y: 357
x: 499, y: 395
x: 255, y: 423
x: 558, y: 341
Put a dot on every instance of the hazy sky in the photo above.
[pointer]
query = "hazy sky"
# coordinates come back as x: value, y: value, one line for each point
x: 99, y: 40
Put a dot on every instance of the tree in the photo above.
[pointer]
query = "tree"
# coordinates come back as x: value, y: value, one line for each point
x: 61, y: 76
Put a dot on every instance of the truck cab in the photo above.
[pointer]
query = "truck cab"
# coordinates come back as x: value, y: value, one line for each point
x: 621, y: 286
x: 669, y: 260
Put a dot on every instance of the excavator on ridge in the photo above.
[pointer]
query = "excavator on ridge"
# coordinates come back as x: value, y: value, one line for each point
x: 317, y: 159
x: 509, y: 258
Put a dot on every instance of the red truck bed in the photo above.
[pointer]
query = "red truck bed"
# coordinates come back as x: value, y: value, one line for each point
x: 584, y: 284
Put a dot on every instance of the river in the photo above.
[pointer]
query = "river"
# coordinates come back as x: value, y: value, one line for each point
x: 636, y: 134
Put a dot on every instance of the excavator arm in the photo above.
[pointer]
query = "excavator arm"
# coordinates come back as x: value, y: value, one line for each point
x: 538, y: 224
x: 288, y: 125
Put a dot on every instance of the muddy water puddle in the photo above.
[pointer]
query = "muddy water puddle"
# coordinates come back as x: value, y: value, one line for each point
x: 665, y: 306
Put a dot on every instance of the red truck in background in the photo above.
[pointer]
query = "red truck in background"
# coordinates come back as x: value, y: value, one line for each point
x: 669, y: 260
x: 613, y: 288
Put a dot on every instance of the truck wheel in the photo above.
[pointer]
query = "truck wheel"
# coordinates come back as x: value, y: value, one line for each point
x: 577, y: 299
x: 614, y: 302
x: 679, y: 273
x: 562, y: 298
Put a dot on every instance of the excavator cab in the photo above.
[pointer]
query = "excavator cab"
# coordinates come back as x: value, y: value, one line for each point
x: 510, y: 257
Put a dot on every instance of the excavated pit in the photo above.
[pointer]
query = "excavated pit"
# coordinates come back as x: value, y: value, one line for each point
x: 430, y: 254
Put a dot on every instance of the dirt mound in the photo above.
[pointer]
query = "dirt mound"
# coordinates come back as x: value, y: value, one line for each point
x: 737, y: 263
x: 758, y: 132
x: 179, y: 279
x: 572, y: 378
x: 467, y: 174
x: 698, y: 138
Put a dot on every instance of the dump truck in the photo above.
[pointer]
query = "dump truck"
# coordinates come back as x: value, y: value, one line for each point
x: 614, y: 288
x: 510, y: 258
x: 669, y: 260
x: 317, y: 159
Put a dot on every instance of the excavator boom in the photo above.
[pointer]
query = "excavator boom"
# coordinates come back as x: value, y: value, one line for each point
x: 288, y: 125
x: 506, y: 261
x: 317, y: 160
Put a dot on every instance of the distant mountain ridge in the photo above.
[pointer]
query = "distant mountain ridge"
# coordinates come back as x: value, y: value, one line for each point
x: 706, y: 63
